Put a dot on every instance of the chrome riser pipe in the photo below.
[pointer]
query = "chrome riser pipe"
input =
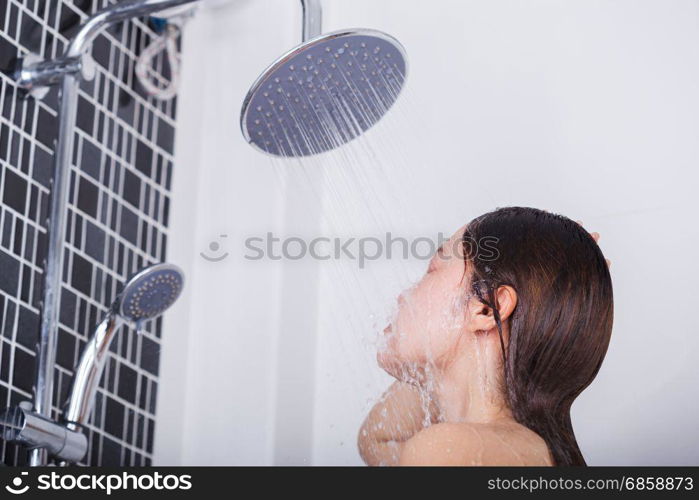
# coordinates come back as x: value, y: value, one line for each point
x: 46, y: 352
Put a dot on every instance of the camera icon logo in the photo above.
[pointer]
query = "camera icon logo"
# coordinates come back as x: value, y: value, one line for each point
x: 16, y: 487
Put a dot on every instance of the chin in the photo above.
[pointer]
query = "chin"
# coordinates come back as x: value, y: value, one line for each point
x: 388, y: 362
x: 383, y: 358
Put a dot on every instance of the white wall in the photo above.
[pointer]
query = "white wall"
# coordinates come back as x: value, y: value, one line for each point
x: 588, y: 108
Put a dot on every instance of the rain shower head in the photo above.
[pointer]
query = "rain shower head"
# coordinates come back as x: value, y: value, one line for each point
x: 324, y: 93
x: 150, y: 292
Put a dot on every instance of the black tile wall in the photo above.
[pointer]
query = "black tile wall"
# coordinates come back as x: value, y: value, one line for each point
x: 116, y: 221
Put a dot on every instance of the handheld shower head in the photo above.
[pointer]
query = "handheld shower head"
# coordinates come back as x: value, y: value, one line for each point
x: 148, y: 293
x: 324, y: 92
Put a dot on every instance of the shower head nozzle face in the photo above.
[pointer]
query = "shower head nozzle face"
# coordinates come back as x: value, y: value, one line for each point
x: 324, y: 93
x: 150, y: 292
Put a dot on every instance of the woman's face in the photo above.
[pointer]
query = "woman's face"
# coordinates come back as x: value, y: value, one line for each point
x: 431, y: 316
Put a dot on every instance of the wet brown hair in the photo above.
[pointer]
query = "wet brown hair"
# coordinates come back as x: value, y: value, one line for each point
x: 560, y: 328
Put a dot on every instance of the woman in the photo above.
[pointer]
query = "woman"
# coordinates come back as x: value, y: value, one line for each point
x: 490, y: 349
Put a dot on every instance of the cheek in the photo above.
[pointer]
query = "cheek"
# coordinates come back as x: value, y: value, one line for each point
x: 428, y: 324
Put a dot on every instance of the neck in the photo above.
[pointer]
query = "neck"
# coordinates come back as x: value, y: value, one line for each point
x: 468, y: 387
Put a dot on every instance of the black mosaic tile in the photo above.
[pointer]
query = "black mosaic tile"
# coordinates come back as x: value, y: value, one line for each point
x: 65, y: 349
x: 90, y: 161
x: 132, y: 188
x: 85, y: 116
x: 111, y: 453
x: 43, y: 166
x: 127, y: 383
x: 150, y: 355
x: 15, y: 191
x: 94, y: 241
x: 27, y: 328
x: 88, y: 197
x: 144, y: 158
x: 9, y: 273
x: 46, y: 128
x: 8, y: 56
x: 129, y: 225
x: 23, y: 373
x: 81, y: 275
x: 114, y: 417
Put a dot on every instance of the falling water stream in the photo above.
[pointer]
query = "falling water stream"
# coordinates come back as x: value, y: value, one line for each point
x: 352, y: 151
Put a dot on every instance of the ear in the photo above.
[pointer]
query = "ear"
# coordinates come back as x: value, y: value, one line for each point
x: 507, y: 301
x: 481, y: 317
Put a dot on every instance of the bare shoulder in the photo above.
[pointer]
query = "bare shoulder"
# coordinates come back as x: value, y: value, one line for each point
x: 475, y: 444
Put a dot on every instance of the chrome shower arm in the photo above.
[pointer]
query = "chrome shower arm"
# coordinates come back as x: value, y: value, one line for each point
x: 89, y: 371
x: 36, y: 75
x: 122, y: 11
x: 312, y: 19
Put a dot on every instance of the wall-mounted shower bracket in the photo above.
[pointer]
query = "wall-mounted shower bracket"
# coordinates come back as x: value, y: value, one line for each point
x: 36, y: 75
x: 22, y: 425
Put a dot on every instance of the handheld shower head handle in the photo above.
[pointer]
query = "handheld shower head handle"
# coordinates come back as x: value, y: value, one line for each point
x: 89, y: 371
